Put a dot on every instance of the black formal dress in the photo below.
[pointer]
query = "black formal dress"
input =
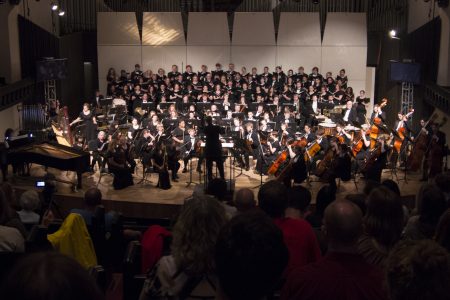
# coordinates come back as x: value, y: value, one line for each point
x: 213, y: 149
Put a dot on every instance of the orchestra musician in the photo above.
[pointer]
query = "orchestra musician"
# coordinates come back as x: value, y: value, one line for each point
x: 192, y: 149
x: 134, y: 128
x: 270, y: 149
x: 435, y: 152
x: 144, y: 146
x: 252, y: 144
x: 120, y: 163
x: 160, y: 165
x: 87, y: 116
x: 101, y: 146
x: 349, y: 115
x: 378, y: 113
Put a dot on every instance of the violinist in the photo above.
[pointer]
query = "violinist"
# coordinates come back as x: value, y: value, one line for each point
x: 378, y: 113
x: 285, y: 134
x: 145, y: 146
x: 179, y: 133
x: 252, y: 142
x: 191, y: 149
x: 298, y: 172
x: 134, y: 128
x: 120, y: 163
x: 101, y: 146
x: 342, y: 136
x: 435, y: 152
x: 309, y: 135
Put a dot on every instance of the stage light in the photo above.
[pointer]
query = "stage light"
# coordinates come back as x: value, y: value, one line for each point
x: 54, y: 7
x: 393, y: 34
x: 61, y: 13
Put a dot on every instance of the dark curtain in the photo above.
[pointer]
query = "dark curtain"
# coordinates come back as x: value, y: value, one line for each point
x: 35, y: 43
x: 422, y: 45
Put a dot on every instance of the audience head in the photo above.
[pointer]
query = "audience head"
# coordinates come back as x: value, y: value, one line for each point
x: 244, y: 199
x: 418, y: 270
x: 272, y: 198
x: 299, y: 199
x: 325, y: 197
x: 93, y: 197
x: 217, y: 188
x: 370, y: 186
x: 195, y: 234
x: 250, y: 257
x: 384, y: 216
x: 10, y: 194
x: 342, y: 224
x: 392, y: 185
x: 6, y: 212
x: 443, y: 230
x: 49, y: 276
x: 29, y: 200
x: 359, y: 200
x: 431, y: 203
x: 442, y: 181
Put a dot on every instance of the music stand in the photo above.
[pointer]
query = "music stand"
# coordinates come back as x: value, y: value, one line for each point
x: 148, y: 106
x: 165, y: 105
x: 202, y: 106
x: 106, y: 101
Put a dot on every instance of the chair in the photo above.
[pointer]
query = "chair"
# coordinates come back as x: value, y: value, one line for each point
x: 133, y: 279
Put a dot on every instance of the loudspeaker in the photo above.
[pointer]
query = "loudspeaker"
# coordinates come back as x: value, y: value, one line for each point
x: 404, y: 72
x: 14, y: 2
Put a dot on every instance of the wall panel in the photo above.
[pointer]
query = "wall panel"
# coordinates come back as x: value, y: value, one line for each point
x: 299, y: 29
x: 154, y: 57
x: 208, y: 29
x: 117, y: 29
x: 294, y: 57
x: 253, y: 29
x: 207, y: 55
x: 345, y: 29
x: 254, y: 56
x: 162, y: 28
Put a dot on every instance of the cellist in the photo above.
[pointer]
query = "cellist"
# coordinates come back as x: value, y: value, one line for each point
x: 401, y: 136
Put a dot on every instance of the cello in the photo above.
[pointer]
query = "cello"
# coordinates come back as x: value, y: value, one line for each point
x: 400, y: 135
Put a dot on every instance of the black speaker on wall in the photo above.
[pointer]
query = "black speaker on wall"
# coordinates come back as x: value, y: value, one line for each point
x: 51, y: 69
x: 404, y: 72
x: 14, y: 2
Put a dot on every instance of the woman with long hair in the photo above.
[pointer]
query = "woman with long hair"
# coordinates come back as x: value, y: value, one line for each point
x: 383, y: 225
x: 189, y: 272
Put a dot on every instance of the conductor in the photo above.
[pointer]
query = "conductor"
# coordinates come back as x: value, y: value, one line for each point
x: 213, y: 147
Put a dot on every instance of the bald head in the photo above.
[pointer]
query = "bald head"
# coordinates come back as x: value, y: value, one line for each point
x: 343, y: 223
x: 244, y: 200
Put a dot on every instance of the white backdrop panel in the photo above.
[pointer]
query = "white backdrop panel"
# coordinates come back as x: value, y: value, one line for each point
x: 299, y: 29
x: 162, y: 28
x: 207, y: 55
x: 253, y: 29
x: 117, y: 57
x: 352, y: 59
x: 155, y: 57
x: 254, y: 56
x: 345, y: 29
x: 208, y: 29
x: 117, y: 28
x: 294, y: 57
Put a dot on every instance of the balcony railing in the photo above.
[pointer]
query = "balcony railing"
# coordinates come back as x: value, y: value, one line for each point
x: 437, y: 96
x: 21, y: 91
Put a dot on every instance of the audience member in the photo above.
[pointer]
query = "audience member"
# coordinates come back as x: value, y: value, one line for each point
x: 383, y: 225
x: 92, y: 199
x: 244, y: 200
x: 299, y: 199
x: 189, y: 270
x: 342, y: 274
x: 443, y: 230
x: 324, y: 197
x: 9, y: 217
x: 370, y: 186
x: 443, y: 183
x: 418, y: 270
x: 49, y: 276
x: 250, y: 257
x: 359, y: 200
x: 298, y: 234
x: 10, y: 195
x: 392, y: 185
x: 431, y: 204
x: 218, y: 188
x: 29, y: 202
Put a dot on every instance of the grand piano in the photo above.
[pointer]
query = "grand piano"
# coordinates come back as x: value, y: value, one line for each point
x: 52, y: 155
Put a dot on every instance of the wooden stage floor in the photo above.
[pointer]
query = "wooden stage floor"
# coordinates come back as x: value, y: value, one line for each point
x: 144, y: 200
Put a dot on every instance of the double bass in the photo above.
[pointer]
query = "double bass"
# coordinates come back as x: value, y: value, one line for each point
x: 400, y: 135
x: 420, y: 146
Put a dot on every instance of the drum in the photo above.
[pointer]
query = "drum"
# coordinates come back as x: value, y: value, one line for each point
x: 118, y: 102
x: 329, y: 128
